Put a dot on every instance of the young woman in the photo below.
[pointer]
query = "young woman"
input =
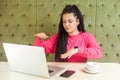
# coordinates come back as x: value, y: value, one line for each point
x: 72, y: 43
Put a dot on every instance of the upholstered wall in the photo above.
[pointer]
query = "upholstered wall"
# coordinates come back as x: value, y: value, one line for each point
x: 20, y: 19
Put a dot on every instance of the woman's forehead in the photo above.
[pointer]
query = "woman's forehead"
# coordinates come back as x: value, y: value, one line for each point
x: 68, y: 16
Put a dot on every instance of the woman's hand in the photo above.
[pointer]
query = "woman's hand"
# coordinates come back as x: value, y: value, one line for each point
x: 41, y: 35
x: 68, y: 54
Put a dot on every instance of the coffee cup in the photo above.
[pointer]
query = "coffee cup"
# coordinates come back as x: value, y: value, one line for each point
x: 93, y: 66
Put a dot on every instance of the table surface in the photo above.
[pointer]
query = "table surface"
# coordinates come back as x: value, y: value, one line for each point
x: 109, y: 71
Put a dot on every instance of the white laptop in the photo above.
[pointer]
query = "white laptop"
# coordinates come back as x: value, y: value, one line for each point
x: 29, y: 59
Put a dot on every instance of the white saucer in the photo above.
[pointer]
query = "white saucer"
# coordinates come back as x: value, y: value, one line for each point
x: 91, y: 72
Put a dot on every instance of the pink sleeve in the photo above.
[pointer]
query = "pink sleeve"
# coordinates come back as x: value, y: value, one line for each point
x: 93, y: 50
x: 49, y: 45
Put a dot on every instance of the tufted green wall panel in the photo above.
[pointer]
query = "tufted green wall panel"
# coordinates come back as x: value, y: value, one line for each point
x: 108, y: 29
x: 20, y: 19
x: 17, y: 22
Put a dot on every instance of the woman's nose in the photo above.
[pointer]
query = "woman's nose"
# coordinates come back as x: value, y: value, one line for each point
x: 67, y: 24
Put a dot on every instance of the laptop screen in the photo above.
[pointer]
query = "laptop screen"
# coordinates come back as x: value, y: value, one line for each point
x: 26, y: 59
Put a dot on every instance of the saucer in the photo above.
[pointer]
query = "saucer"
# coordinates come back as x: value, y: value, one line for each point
x: 91, y: 72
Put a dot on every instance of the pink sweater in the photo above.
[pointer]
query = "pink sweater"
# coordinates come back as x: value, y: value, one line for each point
x: 87, y: 45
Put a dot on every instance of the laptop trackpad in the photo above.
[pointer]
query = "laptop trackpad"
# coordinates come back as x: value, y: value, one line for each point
x: 54, y: 69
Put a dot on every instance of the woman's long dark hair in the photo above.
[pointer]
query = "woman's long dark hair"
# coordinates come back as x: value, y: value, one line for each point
x: 61, y: 43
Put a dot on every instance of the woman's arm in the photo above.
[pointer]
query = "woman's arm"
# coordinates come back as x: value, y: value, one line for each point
x: 91, y: 49
x: 49, y: 44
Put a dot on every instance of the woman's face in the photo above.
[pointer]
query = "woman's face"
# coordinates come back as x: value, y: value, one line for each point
x: 70, y: 23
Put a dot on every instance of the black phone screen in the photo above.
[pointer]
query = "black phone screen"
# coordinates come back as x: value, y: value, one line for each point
x: 67, y: 73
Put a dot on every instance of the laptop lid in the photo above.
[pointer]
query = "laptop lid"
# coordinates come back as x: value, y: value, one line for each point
x: 26, y: 59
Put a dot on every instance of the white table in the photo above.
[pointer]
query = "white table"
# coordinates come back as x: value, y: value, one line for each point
x: 109, y: 71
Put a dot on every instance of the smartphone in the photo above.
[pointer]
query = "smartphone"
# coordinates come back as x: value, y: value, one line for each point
x: 67, y: 73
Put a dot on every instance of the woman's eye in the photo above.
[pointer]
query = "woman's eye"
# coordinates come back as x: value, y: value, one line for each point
x: 70, y: 21
x: 64, y: 22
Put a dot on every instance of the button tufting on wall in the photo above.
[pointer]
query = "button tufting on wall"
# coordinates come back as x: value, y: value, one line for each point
x: 59, y: 15
x: 114, y: 5
x: 102, y: 4
x: 112, y: 45
x: 106, y: 54
x: 117, y: 54
x: 24, y: 35
x: 30, y: 4
x: 1, y: 54
x: 118, y: 35
x: 18, y: 25
x: 89, y: 25
x: 101, y: 25
x: 83, y: 15
x: 108, y: 15
x: 30, y: 25
x: 101, y: 45
x: 48, y: 15
x: 90, y: 5
x: 12, y: 14
x: 54, y: 5
x: 107, y: 35
x: 113, y: 25
x: 0, y: 14
x: 29, y: 44
x: 0, y: 34
x: 119, y: 15
x: 54, y: 25
x: 6, y: 4
x: 48, y: 34
x: 17, y: 5
x: 42, y: 25
x: 42, y: 4
x: 6, y: 25
x: 12, y: 35
x: 23, y: 15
